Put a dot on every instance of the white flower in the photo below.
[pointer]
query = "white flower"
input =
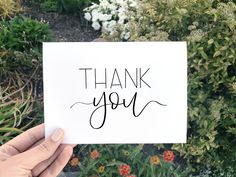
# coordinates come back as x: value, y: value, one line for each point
x: 113, y: 12
x: 127, y: 36
x: 95, y: 15
x: 119, y: 1
x: 133, y: 3
x: 101, y: 17
x: 121, y: 10
x: 126, y: 26
x: 122, y: 18
x: 121, y: 21
x: 104, y: 3
x: 105, y: 25
x: 109, y: 26
x: 112, y: 23
x: 87, y: 16
x: 96, y: 25
x: 109, y: 16
x: 112, y: 7
x: 94, y: 6
x: 104, y: 17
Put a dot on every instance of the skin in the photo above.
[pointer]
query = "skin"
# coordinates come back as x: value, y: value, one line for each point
x: 30, y: 154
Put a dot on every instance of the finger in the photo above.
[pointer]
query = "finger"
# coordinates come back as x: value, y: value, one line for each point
x: 40, y: 141
x: 41, y: 152
x: 43, y: 165
x: 24, y: 140
x: 56, y: 167
x: 37, y: 143
x: 7, y: 151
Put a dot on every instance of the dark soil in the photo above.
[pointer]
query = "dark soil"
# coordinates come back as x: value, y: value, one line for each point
x: 65, y: 27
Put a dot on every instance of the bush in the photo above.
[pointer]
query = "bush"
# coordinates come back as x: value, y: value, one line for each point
x: 50, y: 5
x: 74, y: 5
x: 23, y: 34
x: 21, y: 76
x: 209, y: 27
x: 210, y: 30
x: 21, y: 43
x: 18, y: 62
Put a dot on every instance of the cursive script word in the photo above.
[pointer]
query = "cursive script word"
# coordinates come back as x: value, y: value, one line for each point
x: 114, y: 102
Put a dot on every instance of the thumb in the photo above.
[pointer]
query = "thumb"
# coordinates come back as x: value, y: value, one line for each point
x: 29, y: 159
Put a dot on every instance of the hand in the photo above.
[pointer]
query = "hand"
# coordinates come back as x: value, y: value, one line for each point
x: 29, y: 154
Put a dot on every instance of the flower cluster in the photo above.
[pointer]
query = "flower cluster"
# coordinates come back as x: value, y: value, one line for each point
x: 105, y: 161
x: 168, y: 156
x: 112, y: 16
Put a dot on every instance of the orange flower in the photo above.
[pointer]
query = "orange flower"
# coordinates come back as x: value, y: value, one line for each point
x: 74, y: 162
x: 168, y: 156
x: 155, y: 160
x: 94, y: 154
x: 124, y: 169
x: 101, y: 169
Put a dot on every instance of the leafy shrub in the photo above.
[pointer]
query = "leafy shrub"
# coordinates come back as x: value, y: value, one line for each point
x: 21, y: 76
x: 50, y: 5
x: 211, y: 35
x: 73, y: 5
x: 23, y: 34
x: 209, y: 27
x: 18, y: 62
x: 8, y: 8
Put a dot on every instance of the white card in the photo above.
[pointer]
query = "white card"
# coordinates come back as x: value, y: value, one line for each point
x: 112, y: 93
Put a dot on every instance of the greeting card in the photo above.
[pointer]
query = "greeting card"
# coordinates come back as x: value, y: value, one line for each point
x: 112, y: 93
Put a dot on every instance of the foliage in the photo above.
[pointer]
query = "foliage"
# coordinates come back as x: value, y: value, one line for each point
x: 16, y: 107
x: 20, y: 44
x: 20, y: 62
x: 50, y: 5
x: 209, y: 27
x: 8, y: 8
x: 21, y: 76
x: 73, y: 5
x: 124, y: 160
x: 23, y: 34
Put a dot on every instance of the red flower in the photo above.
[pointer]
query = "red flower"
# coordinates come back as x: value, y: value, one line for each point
x: 124, y: 170
x: 94, y: 154
x: 168, y: 156
x: 131, y: 176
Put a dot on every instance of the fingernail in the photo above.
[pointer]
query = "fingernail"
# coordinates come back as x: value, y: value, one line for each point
x: 57, y: 135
